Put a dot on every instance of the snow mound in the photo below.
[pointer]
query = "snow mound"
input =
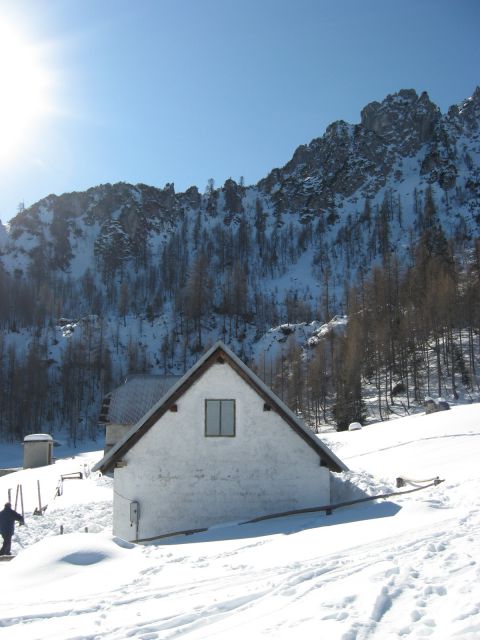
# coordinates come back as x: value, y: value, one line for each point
x: 74, y: 563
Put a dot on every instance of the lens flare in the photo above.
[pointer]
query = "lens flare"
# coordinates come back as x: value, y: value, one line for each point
x: 24, y: 90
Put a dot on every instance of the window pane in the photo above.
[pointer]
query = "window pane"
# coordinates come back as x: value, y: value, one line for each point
x: 228, y: 418
x: 212, y: 417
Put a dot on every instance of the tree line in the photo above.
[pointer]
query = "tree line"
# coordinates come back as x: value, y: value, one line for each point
x: 413, y: 316
x: 413, y: 332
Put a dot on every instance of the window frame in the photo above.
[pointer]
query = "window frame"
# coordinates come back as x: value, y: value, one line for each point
x: 234, y: 415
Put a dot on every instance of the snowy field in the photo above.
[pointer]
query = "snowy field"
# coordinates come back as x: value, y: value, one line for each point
x: 405, y: 567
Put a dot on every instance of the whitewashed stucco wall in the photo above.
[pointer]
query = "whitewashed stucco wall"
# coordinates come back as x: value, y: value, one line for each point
x: 184, y: 480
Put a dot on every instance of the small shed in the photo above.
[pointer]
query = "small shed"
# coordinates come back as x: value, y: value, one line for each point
x: 37, y: 450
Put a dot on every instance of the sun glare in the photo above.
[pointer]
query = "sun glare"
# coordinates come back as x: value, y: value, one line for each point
x: 24, y: 91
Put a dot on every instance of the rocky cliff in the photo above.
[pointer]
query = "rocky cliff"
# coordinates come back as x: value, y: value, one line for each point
x: 401, y: 146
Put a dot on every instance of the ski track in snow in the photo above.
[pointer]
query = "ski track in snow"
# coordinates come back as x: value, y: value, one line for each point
x: 405, y: 578
x: 403, y: 569
x: 397, y: 584
x: 414, y: 442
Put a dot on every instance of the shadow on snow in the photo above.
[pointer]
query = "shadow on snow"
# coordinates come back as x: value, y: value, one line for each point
x: 287, y: 525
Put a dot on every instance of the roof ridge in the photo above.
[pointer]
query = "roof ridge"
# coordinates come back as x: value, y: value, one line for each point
x: 183, y: 384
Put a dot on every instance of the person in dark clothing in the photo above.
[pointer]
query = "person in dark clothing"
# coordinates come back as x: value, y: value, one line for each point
x: 7, y: 527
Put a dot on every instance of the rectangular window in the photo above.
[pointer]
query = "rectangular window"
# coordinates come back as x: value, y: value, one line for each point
x: 220, y: 418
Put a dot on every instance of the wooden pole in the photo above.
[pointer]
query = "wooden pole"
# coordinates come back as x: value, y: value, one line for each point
x: 21, y: 500
x: 39, y: 498
x: 10, y: 496
x: 16, y: 496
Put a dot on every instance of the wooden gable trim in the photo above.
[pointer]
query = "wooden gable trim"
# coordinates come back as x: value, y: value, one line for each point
x: 267, y: 398
x: 171, y: 400
x: 220, y: 356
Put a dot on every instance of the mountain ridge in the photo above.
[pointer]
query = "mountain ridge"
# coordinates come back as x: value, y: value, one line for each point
x: 404, y: 119
x: 236, y: 261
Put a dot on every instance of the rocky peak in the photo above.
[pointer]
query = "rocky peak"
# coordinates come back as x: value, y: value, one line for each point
x: 233, y: 196
x: 404, y: 119
x: 339, y: 129
x: 193, y: 197
x: 3, y: 235
x: 440, y: 163
x: 467, y: 113
x: 321, y: 151
x: 334, y: 172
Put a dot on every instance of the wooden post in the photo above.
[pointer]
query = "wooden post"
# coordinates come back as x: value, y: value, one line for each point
x: 39, y: 499
x: 16, y: 496
x: 86, y: 529
x: 10, y: 496
x: 21, y: 500
x: 61, y: 529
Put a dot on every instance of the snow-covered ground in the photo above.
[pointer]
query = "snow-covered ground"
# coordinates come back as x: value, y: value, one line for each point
x: 406, y: 567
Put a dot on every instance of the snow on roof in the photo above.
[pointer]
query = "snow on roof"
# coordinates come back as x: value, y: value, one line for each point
x: 138, y: 395
x: 38, y: 437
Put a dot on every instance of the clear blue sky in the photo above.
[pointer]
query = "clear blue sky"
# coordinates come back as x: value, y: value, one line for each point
x: 181, y: 91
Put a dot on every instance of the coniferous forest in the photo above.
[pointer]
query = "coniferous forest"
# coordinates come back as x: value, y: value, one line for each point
x: 349, y: 280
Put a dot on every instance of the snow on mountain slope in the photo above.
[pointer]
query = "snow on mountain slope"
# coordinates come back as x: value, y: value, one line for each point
x: 402, y: 567
x: 149, y: 278
x: 401, y: 144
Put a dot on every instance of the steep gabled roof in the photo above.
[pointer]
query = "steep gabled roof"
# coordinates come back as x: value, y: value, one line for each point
x: 218, y: 353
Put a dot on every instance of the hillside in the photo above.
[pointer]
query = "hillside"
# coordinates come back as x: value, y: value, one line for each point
x: 380, y: 216
x: 399, y: 148
x: 402, y: 567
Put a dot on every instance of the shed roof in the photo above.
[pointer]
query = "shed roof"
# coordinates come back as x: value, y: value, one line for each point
x: 129, y: 402
x: 38, y: 437
x: 218, y: 353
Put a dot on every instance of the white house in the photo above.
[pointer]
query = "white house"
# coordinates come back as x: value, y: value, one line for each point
x: 219, y: 446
